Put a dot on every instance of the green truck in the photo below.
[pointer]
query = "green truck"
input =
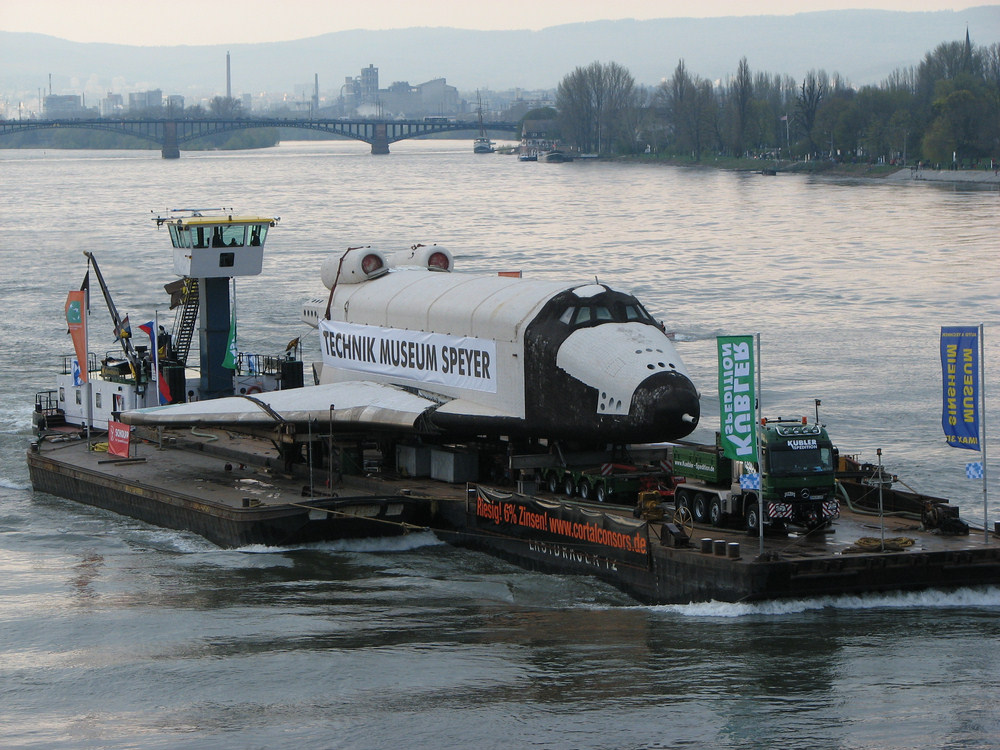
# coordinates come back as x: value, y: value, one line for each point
x: 796, y: 479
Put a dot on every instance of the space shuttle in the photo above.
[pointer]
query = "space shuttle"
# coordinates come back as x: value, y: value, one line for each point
x: 409, y: 345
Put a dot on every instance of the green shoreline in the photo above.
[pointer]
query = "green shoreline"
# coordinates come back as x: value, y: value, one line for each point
x: 825, y: 169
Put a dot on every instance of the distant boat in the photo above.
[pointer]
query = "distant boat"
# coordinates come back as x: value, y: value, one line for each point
x: 528, y: 156
x: 555, y: 156
x: 482, y: 144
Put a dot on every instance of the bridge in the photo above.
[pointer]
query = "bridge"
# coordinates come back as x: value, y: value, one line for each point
x: 170, y: 133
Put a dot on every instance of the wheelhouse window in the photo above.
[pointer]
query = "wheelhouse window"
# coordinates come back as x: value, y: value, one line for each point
x: 228, y: 236
x: 180, y: 236
x: 257, y: 234
x: 200, y: 237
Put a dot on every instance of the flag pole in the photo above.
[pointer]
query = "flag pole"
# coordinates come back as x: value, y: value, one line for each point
x: 85, y: 365
x: 756, y: 443
x: 156, y: 354
x: 982, y: 411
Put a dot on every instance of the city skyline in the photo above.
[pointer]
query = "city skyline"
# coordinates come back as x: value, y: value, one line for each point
x: 254, y: 21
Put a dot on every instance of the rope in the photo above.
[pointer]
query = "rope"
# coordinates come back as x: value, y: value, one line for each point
x: 872, y: 544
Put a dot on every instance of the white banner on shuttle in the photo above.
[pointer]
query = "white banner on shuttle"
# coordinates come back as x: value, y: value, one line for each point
x: 459, y: 361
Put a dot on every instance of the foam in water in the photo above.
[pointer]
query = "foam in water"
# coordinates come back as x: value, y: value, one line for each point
x: 10, y: 484
x: 930, y: 599
x: 369, y: 544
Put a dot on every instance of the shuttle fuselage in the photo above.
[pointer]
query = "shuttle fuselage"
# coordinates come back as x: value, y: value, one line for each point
x: 503, y: 355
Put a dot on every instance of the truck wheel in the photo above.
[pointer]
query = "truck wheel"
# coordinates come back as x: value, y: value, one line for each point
x: 584, y: 489
x: 715, y: 511
x: 699, y: 507
x: 752, y: 517
x: 600, y: 492
x: 569, y: 486
x: 552, y: 482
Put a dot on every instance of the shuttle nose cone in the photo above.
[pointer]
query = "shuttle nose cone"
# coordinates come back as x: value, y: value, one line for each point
x: 669, y: 402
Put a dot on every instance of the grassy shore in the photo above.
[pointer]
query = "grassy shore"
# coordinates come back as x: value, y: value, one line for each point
x: 833, y: 169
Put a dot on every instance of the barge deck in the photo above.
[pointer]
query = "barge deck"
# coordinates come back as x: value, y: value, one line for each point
x: 229, y: 489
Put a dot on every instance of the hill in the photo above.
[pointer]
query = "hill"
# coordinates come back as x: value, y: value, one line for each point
x: 862, y: 45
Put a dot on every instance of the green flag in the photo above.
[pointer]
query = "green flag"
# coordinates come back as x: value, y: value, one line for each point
x: 231, y: 354
x: 737, y: 402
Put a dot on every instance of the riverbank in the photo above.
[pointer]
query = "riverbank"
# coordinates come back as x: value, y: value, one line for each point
x: 835, y: 169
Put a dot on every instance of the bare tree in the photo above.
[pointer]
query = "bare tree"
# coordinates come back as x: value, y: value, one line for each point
x: 596, y: 106
x: 811, y: 95
x: 740, y: 96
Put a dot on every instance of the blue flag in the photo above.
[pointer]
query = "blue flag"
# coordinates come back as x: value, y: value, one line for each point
x: 960, y: 386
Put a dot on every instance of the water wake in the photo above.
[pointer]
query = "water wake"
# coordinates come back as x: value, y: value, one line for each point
x: 930, y: 599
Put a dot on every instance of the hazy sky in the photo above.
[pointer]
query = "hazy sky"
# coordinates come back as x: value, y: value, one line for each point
x: 169, y: 22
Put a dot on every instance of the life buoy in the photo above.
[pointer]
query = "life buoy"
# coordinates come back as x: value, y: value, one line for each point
x: 253, y: 389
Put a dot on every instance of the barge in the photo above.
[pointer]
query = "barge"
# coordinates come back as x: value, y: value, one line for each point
x: 241, y: 452
x: 233, y: 490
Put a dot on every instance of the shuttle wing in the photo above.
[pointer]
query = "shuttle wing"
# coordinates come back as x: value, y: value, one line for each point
x: 350, y: 403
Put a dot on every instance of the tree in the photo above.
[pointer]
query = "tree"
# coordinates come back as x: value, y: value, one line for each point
x: 225, y: 106
x: 811, y: 95
x: 688, y: 106
x: 596, y: 106
x: 740, y: 96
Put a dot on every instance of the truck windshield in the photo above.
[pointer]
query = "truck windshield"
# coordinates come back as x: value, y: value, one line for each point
x: 786, y: 463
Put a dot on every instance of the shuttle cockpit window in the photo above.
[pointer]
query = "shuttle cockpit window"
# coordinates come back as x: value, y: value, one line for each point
x: 607, y: 311
x: 635, y: 311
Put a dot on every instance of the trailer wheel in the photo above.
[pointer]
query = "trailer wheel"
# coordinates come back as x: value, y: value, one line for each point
x: 569, y: 486
x: 584, y: 489
x: 699, y: 507
x: 715, y: 511
x: 553, y: 482
x: 600, y: 492
x: 752, y: 515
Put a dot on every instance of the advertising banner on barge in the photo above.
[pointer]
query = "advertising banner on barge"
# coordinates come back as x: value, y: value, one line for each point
x: 960, y: 386
x: 570, y: 533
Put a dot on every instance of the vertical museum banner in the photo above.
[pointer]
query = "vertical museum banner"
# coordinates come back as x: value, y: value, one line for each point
x: 737, y: 402
x: 960, y: 386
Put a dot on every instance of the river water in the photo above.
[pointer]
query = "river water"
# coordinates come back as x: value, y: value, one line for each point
x: 116, y: 634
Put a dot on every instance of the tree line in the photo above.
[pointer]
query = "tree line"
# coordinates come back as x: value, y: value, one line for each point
x: 945, y: 109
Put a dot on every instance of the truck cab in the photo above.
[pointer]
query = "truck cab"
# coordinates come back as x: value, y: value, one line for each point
x: 796, y: 479
x: 797, y: 473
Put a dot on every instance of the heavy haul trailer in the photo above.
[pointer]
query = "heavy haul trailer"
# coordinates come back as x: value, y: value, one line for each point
x: 796, y: 474
x: 610, y: 482
x: 598, y: 476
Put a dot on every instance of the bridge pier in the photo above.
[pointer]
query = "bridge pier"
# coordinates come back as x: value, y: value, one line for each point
x: 380, y: 145
x: 170, y: 149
